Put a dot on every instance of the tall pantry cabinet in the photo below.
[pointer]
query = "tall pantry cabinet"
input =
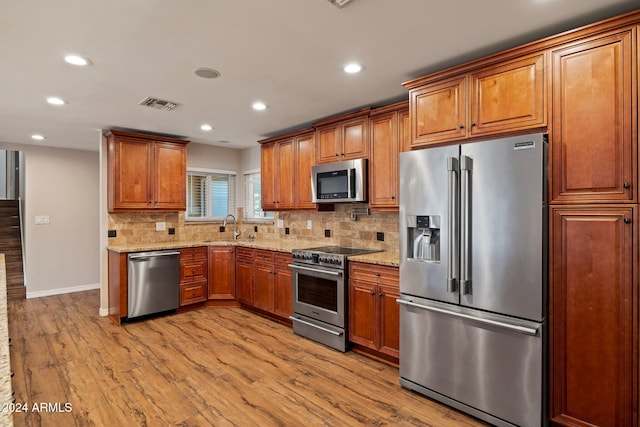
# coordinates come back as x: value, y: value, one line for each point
x: 593, y: 225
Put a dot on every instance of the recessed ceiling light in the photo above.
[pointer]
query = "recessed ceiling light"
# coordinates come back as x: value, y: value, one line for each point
x: 352, y: 68
x: 206, y: 127
x: 207, y: 73
x: 77, y: 60
x: 37, y: 137
x: 54, y: 100
x: 223, y: 141
x: 259, y: 106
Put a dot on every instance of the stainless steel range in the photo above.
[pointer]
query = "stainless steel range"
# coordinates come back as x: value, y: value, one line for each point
x: 320, y: 293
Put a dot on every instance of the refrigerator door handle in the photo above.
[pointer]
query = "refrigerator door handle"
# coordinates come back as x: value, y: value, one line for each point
x: 509, y: 326
x: 465, y: 226
x: 452, y: 213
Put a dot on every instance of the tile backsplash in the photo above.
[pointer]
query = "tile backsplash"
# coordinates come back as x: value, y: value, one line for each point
x: 139, y: 227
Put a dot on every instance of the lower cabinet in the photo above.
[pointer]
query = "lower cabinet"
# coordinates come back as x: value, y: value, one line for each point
x: 222, y: 275
x: 263, y: 281
x: 593, y: 316
x: 245, y: 262
x: 374, y: 316
x: 193, y: 275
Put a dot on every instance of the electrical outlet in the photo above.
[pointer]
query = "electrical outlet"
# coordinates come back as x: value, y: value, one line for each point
x: 172, y: 230
x: 309, y: 224
x: 280, y: 223
x: 286, y: 230
x: 255, y: 228
x: 380, y: 236
x: 221, y: 229
x: 161, y: 226
x: 327, y: 233
x: 112, y: 233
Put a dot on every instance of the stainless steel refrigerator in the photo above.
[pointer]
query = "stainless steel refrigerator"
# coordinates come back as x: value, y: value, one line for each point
x: 473, y: 274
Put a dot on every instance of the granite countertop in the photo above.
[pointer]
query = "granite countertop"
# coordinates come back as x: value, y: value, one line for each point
x: 381, y: 258
x: 6, y: 417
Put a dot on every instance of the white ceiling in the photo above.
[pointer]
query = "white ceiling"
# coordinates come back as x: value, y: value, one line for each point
x: 288, y: 53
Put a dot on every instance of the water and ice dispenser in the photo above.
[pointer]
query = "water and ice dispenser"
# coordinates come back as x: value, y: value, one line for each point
x: 424, y: 237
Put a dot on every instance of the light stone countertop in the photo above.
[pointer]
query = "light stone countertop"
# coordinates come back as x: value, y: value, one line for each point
x: 381, y: 258
x: 6, y: 417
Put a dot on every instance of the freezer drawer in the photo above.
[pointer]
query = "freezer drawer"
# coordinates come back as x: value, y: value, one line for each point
x: 487, y: 365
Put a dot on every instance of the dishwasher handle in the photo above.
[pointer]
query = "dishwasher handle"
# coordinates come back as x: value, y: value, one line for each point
x: 148, y: 255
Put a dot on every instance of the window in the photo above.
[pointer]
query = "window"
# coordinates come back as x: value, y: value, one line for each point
x: 211, y: 194
x: 252, y: 197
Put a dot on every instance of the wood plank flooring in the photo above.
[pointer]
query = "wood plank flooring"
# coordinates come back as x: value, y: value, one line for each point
x: 210, y: 367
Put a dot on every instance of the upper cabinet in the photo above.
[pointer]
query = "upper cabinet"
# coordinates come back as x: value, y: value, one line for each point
x: 387, y: 129
x: 285, y: 163
x: 145, y: 172
x: 343, y: 137
x: 503, y: 97
x: 594, y: 149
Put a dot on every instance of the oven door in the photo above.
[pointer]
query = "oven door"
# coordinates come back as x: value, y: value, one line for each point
x: 319, y: 293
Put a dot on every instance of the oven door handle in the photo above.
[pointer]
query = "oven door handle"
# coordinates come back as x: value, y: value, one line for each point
x: 315, y: 270
x: 295, y: 319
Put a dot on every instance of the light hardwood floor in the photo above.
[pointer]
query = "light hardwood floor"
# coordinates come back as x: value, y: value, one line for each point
x: 210, y: 367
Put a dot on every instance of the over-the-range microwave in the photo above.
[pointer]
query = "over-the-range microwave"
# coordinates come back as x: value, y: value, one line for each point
x: 339, y: 182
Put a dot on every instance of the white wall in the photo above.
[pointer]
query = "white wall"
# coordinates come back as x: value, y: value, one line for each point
x: 62, y: 256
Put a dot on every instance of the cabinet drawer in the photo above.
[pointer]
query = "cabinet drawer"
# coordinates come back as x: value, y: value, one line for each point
x: 192, y: 293
x: 264, y: 257
x: 374, y: 273
x: 199, y: 253
x: 190, y: 271
x: 282, y: 260
x: 245, y: 254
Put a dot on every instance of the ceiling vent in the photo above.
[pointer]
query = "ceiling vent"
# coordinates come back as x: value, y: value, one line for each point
x: 340, y: 3
x: 158, y: 104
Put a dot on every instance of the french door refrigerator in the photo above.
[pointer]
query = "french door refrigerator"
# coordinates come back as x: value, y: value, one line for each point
x: 473, y: 268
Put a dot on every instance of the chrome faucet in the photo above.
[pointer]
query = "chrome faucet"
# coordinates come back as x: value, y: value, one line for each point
x: 236, y: 234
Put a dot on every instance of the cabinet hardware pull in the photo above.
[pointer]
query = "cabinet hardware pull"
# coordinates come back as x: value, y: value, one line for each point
x: 373, y: 292
x: 393, y: 197
x: 377, y: 274
x: 626, y: 185
x: 337, y: 154
x: 461, y: 126
x: 627, y: 221
x: 473, y: 124
x: 381, y: 294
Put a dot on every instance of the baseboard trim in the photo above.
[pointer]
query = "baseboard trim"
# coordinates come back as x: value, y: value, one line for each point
x: 60, y: 291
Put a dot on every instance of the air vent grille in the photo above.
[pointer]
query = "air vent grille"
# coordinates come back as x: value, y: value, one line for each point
x: 340, y: 3
x: 158, y: 104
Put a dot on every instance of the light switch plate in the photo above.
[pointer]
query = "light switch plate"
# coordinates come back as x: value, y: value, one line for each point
x: 309, y: 224
x: 280, y: 223
x: 161, y: 226
x: 42, y: 219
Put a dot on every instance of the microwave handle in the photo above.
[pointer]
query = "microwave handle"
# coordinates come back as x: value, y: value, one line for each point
x: 351, y: 182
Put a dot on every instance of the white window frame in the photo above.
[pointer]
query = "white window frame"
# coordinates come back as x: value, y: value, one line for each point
x: 249, y: 200
x: 232, y: 175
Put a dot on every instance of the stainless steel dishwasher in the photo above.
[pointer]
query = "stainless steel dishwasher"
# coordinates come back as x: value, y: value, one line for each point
x: 154, y: 282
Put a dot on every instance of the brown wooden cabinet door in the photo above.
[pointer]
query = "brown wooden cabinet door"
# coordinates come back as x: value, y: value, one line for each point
x: 593, y: 308
x: 329, y: 143
x: 268, y: 176
x: 264, y: 288
x: 355, y: 138
x: 244, y: 282
x: 363, y: 322
x: 383, y: 161
x: 389, y: 320
x: 284, y: 180
x: 132, y: 180
x: 221, y: 273
x: 593, y: 145
x: 510, y: 96
x: 438, y: 112
x: 305, y: 158
x: 170, y: 175
x: 283, y: 293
